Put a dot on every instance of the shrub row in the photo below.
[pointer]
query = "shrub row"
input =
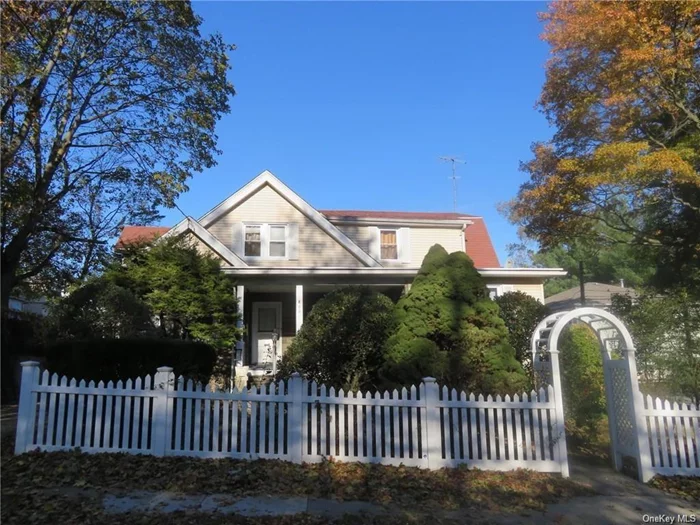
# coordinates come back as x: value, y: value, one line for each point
x: 115, y: 359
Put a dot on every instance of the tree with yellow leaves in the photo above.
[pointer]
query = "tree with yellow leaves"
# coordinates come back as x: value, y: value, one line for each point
x: 623, y: 91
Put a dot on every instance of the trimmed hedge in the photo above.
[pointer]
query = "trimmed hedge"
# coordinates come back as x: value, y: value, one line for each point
x: 115, y: 359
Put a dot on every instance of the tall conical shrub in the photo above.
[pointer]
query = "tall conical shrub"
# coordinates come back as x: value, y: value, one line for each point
x: 448, y: 328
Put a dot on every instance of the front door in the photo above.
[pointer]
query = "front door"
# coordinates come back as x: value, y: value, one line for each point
x: 267, y: 333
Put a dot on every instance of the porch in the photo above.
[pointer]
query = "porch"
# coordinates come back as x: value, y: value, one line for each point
x: 274, y: 308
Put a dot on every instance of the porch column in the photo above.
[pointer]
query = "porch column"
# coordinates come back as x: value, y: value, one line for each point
x: 300, y: 306
x: 240, y: 344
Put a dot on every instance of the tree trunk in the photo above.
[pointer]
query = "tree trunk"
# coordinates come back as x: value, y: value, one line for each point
x: 7, y: 283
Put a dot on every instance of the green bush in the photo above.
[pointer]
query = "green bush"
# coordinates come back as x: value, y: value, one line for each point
x: 342, y: 338
x: 114, y: 359
x: 581, y: 365
x: 521, y: 313
x: 666, y: 333
x: 100, y: 309
x: 448, y: 328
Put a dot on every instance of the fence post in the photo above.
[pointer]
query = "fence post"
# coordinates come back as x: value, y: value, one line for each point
x: 558, y: 425
x: 295, y: 418
x: 636, y: 401
x: 26, y: 411
x: 433, y: 445
x: 162, y: 384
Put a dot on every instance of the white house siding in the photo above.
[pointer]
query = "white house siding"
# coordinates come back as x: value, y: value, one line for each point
x: 421, y: 240
x: 202, y: 247
x: 535, y: 290
x: 316, y: 247
x: 528, y: 286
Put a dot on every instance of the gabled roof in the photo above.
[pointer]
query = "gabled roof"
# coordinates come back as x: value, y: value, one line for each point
x: 188, y: 224
x: 134, y: 234
x: 266, y: 178
x: 478, y: 242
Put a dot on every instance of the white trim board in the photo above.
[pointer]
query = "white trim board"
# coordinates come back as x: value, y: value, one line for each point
x: 267, y: 178
x: 188, y: 224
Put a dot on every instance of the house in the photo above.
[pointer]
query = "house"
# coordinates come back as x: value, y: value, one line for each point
x: 37, y: 306
x: 285, y: 254
x: 596, y: 294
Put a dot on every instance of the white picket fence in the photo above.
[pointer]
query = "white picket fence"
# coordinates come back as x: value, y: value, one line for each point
x: 673, y: 432
x: 296, y: 420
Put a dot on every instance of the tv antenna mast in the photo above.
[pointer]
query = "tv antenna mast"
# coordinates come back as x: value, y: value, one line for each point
x: 454, y: 177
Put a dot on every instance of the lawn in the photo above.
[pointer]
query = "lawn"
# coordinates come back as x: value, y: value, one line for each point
x: 30, y: 482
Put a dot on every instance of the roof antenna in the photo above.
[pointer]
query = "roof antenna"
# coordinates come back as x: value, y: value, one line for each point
x: 454, y: 177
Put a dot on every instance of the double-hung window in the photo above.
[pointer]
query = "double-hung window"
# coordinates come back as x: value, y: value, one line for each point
x: 266, y: 240
x: 253, y: 240
x: 388, y: 244
x: 278, y: 241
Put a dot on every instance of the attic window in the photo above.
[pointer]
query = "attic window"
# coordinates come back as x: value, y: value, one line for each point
x: 253, y: 241
x: 388, y: 246
x: 278, y: 236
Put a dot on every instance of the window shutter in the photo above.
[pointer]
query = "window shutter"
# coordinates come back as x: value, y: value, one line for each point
x: 374, y: 247
x: 403, y: 239
x: 238, y: 234
x: 292, y: 241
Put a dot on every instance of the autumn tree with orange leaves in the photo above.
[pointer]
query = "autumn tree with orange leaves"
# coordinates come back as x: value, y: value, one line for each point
x: 623, y: 91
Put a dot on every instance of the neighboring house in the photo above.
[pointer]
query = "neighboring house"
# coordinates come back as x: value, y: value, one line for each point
x: 286, y: 254
x: 596, y: 294
x: 37, y: 306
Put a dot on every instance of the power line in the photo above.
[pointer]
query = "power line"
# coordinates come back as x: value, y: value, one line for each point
x: 454, y: 177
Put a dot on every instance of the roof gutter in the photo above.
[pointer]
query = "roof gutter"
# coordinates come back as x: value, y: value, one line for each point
x: 404, y: 222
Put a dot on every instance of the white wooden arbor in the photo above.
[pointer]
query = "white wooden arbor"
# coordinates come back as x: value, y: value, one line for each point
x: 627, y: 426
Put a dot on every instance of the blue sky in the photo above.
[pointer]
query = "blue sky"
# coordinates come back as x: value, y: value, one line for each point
x: 351, y: 104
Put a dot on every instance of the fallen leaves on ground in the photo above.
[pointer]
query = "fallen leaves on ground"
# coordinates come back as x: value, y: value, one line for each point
x: 683, y: 486
x: 26, y: 475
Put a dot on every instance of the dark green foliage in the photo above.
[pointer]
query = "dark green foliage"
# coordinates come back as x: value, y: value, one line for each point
x: 185, y: 289
x: 448, y: 328
x: 666, y: 334
x: 168, y: 290
x: 583, y: 386
x: 22, y: 337
x: 521, y: 313
x: 100, y: 309
x: 342, y: 338
x: 113, y: 359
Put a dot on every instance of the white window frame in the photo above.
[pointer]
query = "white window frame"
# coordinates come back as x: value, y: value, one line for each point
x: 499, y: 289
x: 265, y: 241
x: 245, y: 233
x: 396, y: 234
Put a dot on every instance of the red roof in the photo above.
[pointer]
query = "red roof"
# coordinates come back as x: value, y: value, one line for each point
x: 479, y: 246
x: 478, y: 242
x: 132, y: 234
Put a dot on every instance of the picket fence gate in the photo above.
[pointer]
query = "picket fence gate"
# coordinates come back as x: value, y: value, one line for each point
x: 294, y: 420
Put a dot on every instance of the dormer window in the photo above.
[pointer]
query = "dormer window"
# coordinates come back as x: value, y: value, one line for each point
x: 388, y: 244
